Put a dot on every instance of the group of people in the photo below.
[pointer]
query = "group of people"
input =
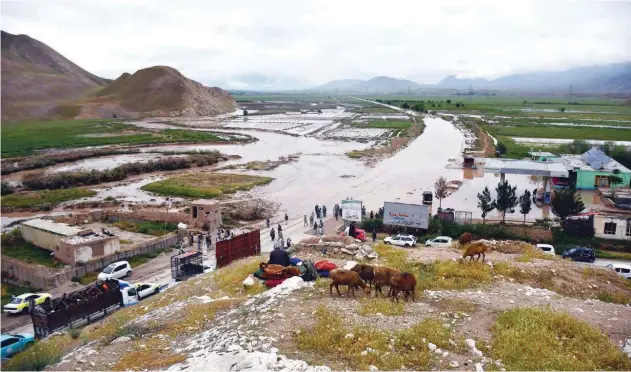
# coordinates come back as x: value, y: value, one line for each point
x: 201, y: 237
x: 280, y: 242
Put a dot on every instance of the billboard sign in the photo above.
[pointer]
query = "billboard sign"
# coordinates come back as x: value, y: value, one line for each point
x: 406, y: 215
x: 352, y: 210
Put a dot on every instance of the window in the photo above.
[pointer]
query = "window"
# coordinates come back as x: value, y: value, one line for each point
x: 610, y: 228
x: 628, y: 228
x: 8, y: 342
x: 121, y: 267
x: 625, y: 271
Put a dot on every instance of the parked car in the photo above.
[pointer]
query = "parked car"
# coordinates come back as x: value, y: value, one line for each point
x: 439, y: 241
x: 21, y: 303
x: 547, y: 249
x: 624, y: 270
x: 117, y: 270
x: 147, y: 289
x: 401, y: 240
x: 14, y: 343
x: 580, y: 254
x: 359, y: 234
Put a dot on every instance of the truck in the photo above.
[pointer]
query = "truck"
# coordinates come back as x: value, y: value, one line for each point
x: 186, y: 264
x: 82, y: 306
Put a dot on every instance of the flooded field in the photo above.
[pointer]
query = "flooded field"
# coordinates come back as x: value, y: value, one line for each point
x: 558, y: 141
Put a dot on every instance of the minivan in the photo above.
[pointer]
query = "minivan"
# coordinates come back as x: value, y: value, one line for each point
x: 116, y: 270
x: 580, y: 254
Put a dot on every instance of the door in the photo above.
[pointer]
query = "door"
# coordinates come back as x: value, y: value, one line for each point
x: 119, y: 271
x: 9, y: 346
x: 144, y: 291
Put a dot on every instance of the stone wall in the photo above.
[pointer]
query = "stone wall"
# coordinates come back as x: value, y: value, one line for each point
x: 148, y: 215
x: 533, y: 232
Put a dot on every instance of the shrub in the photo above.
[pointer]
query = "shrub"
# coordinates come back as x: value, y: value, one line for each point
x: 74, y: 332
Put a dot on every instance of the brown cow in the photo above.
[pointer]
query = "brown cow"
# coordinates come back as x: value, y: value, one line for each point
x: 465, y: 238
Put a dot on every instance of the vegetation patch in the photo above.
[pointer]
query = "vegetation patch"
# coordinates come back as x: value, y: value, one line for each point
x: 206, y: 185
x: 584, y: 133
x: 615, y: 297
x: 26, y: 138
x: 154, y: 228
x: 381, y: 306
x: 230, y: 279
x: 40, y: 355
x: 152, y: 354
x: 42, y: 200
x: 357, y: 348
x: 385, y: 124
x: 542, y: 339
x: 13, y: 245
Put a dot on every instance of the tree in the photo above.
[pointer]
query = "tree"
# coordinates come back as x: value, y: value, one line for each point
x: 448, y: 101
x: 405, y: 105
x: 578, y: 146
x: 7, y: 188
x: 501, y: 147
x: 506, y: 199
x: 614, y: 180
x: 566, y: 202
x: 525, y: 204
x: 441, y: 191
x: 485, y: 203
x: 562, y: 109
x: 457, y: 104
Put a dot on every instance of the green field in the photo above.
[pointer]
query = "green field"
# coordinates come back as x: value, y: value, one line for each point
x: 284, y: 97
x: 375, y: 110
x: 43, y: 199
x: 25, y: 138
x: 206, y: 185
x: 584, y: 133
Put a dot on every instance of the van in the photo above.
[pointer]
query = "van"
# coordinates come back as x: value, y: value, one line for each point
x: 546, y: 248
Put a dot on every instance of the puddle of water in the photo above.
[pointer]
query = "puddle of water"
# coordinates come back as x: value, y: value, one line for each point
x: 106, y: 162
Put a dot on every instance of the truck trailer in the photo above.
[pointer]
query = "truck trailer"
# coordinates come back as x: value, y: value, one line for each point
x: 82, y: 306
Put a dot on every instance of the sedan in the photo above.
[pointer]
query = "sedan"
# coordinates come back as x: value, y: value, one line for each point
x: 21, y: 303
x: 401, y: 240
x: 440, y: 241
x: 13, y: 344
x: 147, y: 289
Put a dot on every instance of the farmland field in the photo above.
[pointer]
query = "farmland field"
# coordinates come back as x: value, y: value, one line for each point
x: 206, y: 185
x: 562, y: 132
x: 26, y: 138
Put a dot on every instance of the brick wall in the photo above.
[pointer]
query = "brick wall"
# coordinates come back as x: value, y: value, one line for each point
x: 148, y: 215
x: 533, y: 232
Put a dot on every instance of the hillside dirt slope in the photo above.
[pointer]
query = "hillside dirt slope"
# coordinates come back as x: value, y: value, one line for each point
x: 155, y: 91
x: 35, y: 77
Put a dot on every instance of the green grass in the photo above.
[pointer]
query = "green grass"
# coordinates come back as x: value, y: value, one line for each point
x: 45, y: 199
x: 206, y: 185
x: 382, y: 306
x: 89, y: 278
x: 612, y: 255
x: 386, y: 124
x: 542, y: 339
x: 375, y: 110
x: 25, y: 138
x: 328, y: 343
x: 154, y: 228
x: 9, y: 290
x: 614, y: 297
x: 585, y: 133
x: 230, y: 279
x: 13, y: 245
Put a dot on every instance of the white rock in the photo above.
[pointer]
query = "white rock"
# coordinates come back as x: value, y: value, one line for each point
x: 273, y: 350
x: 445, y: 354
x: 92, y: 364
x: 364, y: 353
x: 349, y: 335
x: 454, y: 364
x: 431, y: 346
x: 249, y: 281
x: 478, y: 367
x: 121, y: 339
x: 470, y: 343
x: 438, y: 351
x: 372, y: 368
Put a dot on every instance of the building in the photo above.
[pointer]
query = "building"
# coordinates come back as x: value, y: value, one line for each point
x: 592, y: 169
x: 541, y: 156
x: 205, y: 214
x: 46, y: 233
x: 612, y: 226
x: 86, y: 246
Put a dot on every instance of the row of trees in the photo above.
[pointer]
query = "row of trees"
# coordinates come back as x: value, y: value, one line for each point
x: 566, y: 202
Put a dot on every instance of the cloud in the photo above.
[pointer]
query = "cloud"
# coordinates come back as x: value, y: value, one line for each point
x: 294, y: 44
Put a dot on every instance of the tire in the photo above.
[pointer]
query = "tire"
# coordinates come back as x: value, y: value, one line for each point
x: 388, y: 243
x: 47, y: 300
x: 156, y: 291
x: 128, y: 274
x: 25, y: 310
x: 407, y: 245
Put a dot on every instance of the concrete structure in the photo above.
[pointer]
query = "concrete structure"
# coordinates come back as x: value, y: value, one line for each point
x: 541, y: 156
x: 205, y: 214
x: 591, y: 170
x: 527, y: 167
x: 612, y: 226
x: 86, y: 247
x: 46, y: 233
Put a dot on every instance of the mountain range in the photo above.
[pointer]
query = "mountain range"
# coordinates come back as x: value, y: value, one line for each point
x: 40, y: 83
x: 612, y: 78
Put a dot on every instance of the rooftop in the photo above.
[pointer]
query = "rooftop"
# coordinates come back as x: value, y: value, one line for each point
x: 577, y: 162
x: 528, y: 167
x: 541, y: 153
x: 74, y: 240
x: 204, y: 202
x: 54, y: 227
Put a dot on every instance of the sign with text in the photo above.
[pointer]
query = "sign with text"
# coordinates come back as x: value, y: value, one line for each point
x: 407, y: 215
x: 352, y: 210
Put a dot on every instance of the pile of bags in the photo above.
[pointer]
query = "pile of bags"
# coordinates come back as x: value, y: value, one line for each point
x: 324, y: 267
x: 273, y: 275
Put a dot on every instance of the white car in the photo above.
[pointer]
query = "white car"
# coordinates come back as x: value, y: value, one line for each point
x: 401, y: 240
x: 623, y: 270
x: 547, y: 249
x: 439, y: 241
x: 116, y: 270
x: 147, y: 289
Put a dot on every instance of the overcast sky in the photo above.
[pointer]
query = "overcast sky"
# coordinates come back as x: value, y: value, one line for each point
x: 256, y: 44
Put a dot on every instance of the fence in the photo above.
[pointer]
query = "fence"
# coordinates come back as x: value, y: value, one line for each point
x: 244, y: 245
x: 20, y: 273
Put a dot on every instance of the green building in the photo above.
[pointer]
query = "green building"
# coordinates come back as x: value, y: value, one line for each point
x: 592, y: 170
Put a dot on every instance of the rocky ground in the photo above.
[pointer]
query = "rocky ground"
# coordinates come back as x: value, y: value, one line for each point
x: 212, y: 322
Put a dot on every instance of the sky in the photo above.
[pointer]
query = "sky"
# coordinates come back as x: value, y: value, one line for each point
x: 289, y: 44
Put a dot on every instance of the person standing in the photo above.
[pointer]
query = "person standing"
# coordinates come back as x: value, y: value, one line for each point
x: 321, y: 228
x: 209, y: 241
x: 374, y: 234
x: 272, y: 234
x: 190, y: 239
x: 286, y: 219
x: 199, y: 243
x: 324, y: 211
x: 267, y: 222
x: 311, y: 219
x: 372, y: 215
x: 315, y: 228
x: 316, y: 210
x: 280, y: 234
x: 305, y: 221
x: 288, y: 243
x: 280, y: 228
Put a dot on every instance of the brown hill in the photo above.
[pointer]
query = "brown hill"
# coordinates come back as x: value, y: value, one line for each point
x: 35, y: 77
x: 153, y: 91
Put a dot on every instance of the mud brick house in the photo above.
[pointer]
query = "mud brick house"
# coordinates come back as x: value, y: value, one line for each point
x: 205, y: 214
